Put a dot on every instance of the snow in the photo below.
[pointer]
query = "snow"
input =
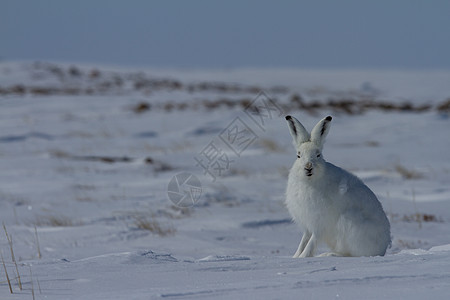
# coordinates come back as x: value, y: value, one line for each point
x: 92, y: 173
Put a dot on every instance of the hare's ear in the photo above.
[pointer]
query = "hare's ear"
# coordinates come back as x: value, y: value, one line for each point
x: 320, y: 131
x: 298, y: 132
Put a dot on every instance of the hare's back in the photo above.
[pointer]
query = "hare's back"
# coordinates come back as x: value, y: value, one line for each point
x: 351, y: 190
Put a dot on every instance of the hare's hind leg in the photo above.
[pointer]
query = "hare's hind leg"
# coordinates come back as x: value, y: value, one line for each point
x: 305, y: 239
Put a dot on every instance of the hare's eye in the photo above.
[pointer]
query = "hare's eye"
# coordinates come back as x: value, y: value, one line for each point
x: 318, y: 155
x: 298, y: 155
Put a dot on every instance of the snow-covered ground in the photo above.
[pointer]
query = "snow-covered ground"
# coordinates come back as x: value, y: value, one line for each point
x: 87, y: 154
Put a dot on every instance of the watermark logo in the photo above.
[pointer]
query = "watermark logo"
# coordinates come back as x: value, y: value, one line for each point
x: 213, y: 160
x: 184, y: 189
x: 217, y: 157
x: 238, y: 136
x: 263, y: 109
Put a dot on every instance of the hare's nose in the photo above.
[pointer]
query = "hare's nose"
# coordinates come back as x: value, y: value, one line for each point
x: 309, y: 169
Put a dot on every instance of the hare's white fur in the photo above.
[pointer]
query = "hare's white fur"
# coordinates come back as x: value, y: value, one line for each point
x: 329, y: 203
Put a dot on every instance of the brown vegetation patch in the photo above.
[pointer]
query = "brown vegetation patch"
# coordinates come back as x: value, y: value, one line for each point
x: 416, y: 218
x: 74, y: 81
x: 407, y: 173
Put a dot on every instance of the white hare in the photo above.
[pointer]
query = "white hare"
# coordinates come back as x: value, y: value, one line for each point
x: 332, y: 205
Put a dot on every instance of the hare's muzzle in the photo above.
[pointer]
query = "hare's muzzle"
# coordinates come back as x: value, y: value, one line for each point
x: 308, y: 169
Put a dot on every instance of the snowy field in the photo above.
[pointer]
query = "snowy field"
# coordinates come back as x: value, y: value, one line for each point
x: 87, y: 154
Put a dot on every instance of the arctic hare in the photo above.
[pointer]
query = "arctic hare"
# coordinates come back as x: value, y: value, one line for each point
x: 332, y: 205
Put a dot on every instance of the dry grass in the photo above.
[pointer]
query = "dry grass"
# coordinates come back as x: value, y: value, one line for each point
x: 37, y: 243
x: 85, y: 187
x: 95, y: 158
x: 55, y: 221
x: 444, y: 107
x: 100, y: 82
x: 270, y: 145
x: 237, y: 172
x: 416, y: 217
x: 354, y: 105
x: 17, y: 276
x: 148, y: 222
x: 32, y: 284
x: 13, y: 258
x: 158, y: 166
x: 6, y: 274
x: 141, y: 107
x: 372, y: 144
x: 404, y: 244
x: 84, y: 199
x: 407, y: 173
x: 421, y: 217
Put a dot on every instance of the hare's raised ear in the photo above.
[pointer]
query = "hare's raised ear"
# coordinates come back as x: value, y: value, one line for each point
x: 298, y: 132
x: 320, y: 131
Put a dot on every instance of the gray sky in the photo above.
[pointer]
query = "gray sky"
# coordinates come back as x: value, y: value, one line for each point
x: 401, y: 34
